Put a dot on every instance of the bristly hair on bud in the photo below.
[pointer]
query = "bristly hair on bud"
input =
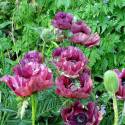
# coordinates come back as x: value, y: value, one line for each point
x: 111, y: 81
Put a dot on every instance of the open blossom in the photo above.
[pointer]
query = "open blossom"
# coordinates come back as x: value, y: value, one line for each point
x: 77, y: 114
x: 29, y: 76
x: 39, y: 79
x: 62, y: 20
x: 82, y: 35
x: 26, y: 70
x: 29, y: 64
x: 85, y: 39
x: 121, y: 91
x: 32, y: 56
x: 81, y: 87
x: 70, y: 60
x: 80, y: 26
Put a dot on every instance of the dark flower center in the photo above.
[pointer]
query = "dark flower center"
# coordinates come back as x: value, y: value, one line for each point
x: 72, y: 59
x: 79, y: 23
x: 63, y: 16
x: 81, y: 119
x: 123, y: 81
x: 73, y: 85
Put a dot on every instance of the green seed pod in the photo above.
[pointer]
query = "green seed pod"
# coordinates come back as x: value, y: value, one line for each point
x: 111, y: 81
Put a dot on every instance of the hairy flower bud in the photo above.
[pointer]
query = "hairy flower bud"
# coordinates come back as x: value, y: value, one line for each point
x: 111, y: 81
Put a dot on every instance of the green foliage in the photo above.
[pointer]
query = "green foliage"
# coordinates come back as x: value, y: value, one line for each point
x: 51, y: 103
x: 20, y: 31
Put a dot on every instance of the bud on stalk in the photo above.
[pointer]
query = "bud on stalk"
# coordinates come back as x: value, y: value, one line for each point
x: 111, y: 81
x: 111, y: 85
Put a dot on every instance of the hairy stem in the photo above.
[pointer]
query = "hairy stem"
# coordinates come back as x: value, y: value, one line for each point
x: 115, y: 110
x: 123, y: 115
x: 33, y: 99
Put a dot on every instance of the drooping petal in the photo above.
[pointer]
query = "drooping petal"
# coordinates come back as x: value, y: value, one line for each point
x: 80, y: 26
x: 18, y: 85
x: 93, y: 40
x: 87, y: 40
x: 79, y: 38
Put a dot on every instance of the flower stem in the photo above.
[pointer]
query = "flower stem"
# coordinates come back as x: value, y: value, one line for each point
x: 33, y: 99
x: 123, y: 114
x: 115, y: 110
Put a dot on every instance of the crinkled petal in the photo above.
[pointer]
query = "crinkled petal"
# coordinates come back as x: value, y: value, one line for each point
x: 76, y: 114
x: 62, y: 20
x: 66, y: 87
x: 32, y: 56
x: 23, y: 86
x: 27, y: 70
x: 80, y: 26
x: 87, y: 40
x: 121, y: 90
x: 69, y: 61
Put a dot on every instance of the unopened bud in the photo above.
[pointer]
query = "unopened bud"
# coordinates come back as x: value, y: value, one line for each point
x: 111, y: 81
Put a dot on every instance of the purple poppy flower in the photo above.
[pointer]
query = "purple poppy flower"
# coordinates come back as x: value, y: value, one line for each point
x: 27, y: 69
x: 121, y: 91
x: 32, y: 56
x: 80, y: 26
x: 39, y: 78
x: 29, y: 64
x: 80, y: 87
x: 70, y: 60
x: 57, y: 52
x: 62, y: 20
x: 77, y: 114
x: 87, y: 40
x: 29, y: 76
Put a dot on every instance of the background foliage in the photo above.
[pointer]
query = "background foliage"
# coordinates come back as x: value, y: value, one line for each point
x: 21, y: 28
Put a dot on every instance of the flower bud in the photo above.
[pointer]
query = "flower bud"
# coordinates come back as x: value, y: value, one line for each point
x: 111, y: 81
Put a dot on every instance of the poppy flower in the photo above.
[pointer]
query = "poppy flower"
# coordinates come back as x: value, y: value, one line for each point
x: 85, y: 39
x: 62, y: 20
x: 32, y: 56
x: 26, y: 69
x: 121, y: 90
x: 80, y: 26
x: 77, y: 114
x: 69, y: 61
x: 80, y: 87
x: 38, y: 77
x: 29, y: 64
